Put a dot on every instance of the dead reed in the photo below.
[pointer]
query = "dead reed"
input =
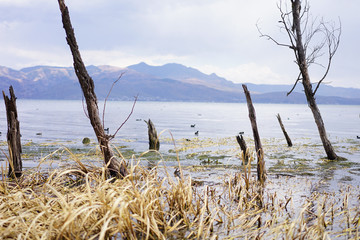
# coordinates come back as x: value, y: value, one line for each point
x: 78, y: 202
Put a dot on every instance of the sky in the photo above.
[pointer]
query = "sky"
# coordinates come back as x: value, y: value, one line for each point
x: 213, y: 36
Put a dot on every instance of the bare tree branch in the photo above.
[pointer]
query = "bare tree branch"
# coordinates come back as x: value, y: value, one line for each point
x: 272, y: 39
x: 306, y: 12
x: 103, y: 116
x: 297, y: 80
x: 310, y: 31
x: 333, y: 42
x: 132, y: 110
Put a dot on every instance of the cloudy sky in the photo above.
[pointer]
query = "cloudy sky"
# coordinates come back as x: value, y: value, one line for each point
x: 211, y: 35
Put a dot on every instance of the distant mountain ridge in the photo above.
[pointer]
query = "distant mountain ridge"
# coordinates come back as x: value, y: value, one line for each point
x: 184, y: 74
x: 170, y: 82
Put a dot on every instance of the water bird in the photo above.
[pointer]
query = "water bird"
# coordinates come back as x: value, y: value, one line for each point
x: 192, y: 125
x: 138, y: 119
x: 39, y: 134
x: 106, y: 130
x: 177, y: 173
x: 357, y: 137
x: 241, y: 133
x: 197, y: 133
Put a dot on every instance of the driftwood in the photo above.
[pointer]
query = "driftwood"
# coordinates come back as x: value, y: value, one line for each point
x: 261, y: 171
x: 242, y: 143
x: 116, y: 168
x: 13, y: 135
x: 288, y: 140
x: 154, y: 143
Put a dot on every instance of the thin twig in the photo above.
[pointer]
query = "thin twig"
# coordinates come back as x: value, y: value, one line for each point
x: 297, y: 80
x: 112, y: 86
x: 132, y: 110
x: 272, y: 39
x: 333, y: 44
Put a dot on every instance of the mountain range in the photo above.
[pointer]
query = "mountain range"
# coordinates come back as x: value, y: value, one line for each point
x: 170, y: 82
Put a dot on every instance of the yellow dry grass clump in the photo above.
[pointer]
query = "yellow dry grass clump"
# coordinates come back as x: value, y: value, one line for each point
x: 80, y: 203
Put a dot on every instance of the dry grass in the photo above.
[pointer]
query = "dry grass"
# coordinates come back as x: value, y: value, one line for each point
x: 79, y: 203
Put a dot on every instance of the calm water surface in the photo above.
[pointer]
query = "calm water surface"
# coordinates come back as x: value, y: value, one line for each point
x: 65, y: 123
x: 66, y: 120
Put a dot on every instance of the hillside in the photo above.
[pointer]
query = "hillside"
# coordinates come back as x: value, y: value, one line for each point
x: 170, y: 82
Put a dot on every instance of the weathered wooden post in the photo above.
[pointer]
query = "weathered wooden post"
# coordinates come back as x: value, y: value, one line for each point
x: 242, y: 143
x: 288, y: 140
x: 154, y: 143
x: 261, y: 171
x: 13, y: 135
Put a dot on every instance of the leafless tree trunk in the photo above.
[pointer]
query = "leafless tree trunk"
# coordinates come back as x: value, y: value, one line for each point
x: 288, y: 140
x: 116, y: 168
x: 261, y: 171
x: 301, y: 31
x: 13, y: 135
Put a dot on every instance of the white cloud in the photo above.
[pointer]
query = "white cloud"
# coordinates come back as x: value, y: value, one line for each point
x: 245, y: 73
x: 122, y: 58
x: 212, y: 35
x: 24, y: 3
x: 23, y: 57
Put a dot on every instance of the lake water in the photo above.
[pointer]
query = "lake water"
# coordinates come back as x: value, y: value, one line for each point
x: 65, y: 124
x: 66, y: 120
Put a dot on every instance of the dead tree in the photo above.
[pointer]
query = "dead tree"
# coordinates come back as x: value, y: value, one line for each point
x: 116, y: 168
x: 261, y: 171
x: 301, y: 32
x: 13, y: 135
x: 154, y: 143
x: 288, y: 140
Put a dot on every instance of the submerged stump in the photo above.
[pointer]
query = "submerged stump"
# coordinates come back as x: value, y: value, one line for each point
x: 13, y: 135
x: 154, y: 143
x: 243, y: 147
x: 288, y: 140
x: 261, y: 171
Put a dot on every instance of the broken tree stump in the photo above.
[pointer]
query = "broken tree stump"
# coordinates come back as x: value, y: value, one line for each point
x: 243, y: 147
x: 154, y: 143
x: 13, y: 135
x: 261, y: 171
x: 288, y: 140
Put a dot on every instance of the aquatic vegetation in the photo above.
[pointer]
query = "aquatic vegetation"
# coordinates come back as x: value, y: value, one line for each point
x: 77, y: 201
x: 86, y: 140
x: 204, y: 190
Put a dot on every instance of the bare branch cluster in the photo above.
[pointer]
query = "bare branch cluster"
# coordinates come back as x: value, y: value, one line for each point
x: 319, y: 38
